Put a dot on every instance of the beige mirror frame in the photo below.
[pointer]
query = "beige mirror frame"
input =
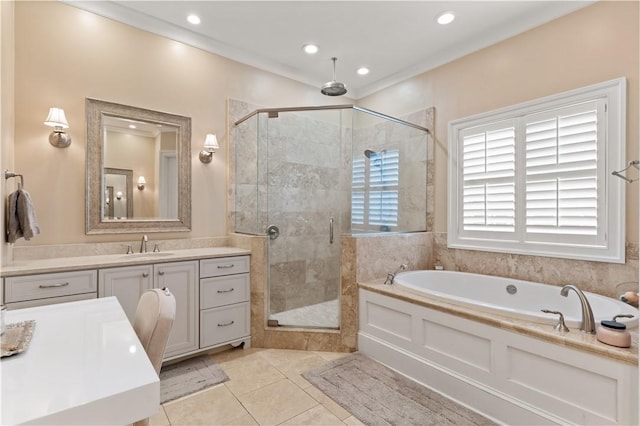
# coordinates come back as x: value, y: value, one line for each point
x: 96, y: 110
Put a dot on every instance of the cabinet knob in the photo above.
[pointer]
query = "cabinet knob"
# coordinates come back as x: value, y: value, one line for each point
x: 160, y: 272
x: 145, y: 274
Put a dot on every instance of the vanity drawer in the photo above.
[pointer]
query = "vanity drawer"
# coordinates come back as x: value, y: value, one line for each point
x: 221, y: 291
x: 224, y: 266
x: 31, y: 287
x: 225, y: 324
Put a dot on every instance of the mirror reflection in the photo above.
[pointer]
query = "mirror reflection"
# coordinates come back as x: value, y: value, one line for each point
x: 148, y: 150
x: 138, y: 169
x: 118, y: 199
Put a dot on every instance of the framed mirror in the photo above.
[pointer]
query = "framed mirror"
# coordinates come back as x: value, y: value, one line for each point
x: 138, y: 170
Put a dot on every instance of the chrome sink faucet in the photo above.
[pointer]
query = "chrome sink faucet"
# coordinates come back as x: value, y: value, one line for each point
x: 143, y: 244
x: 392, y: 275
x: 588, y: 324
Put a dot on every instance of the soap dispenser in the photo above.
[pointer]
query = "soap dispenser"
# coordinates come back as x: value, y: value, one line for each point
x: 614, y: 333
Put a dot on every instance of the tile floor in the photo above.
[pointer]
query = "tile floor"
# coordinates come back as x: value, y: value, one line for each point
x: 265, y: 387
x: 325, y: 315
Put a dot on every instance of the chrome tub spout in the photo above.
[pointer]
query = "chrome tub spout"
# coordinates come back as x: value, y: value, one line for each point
x: 392, y: 275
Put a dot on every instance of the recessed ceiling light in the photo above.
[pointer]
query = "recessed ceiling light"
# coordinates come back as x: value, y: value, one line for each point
x: 310, y: 48
x: 193, y: 19
x: 363, y: 71
x: 446, y: 18
x: 132, y: 126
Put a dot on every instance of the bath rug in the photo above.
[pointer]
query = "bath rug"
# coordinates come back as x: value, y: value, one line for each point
x: 377, y: 395
x: 189, y: 376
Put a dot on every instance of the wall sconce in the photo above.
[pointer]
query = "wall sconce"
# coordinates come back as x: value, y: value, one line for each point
x: 210, y: 146
x: 141, y: 183
x: 58, y: 121
x: 119, y: 195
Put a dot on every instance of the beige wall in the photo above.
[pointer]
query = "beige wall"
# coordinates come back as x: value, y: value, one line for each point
x: 6, y: 108
x: 592, y: 45
x: 64, y: 55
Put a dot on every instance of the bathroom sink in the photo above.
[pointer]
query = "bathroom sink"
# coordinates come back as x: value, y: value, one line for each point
x: 148, y: 254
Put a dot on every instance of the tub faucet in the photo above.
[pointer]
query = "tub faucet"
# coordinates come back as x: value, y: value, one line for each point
x: 392, y: 275
x: 588, y: 324
x: 143, y: 244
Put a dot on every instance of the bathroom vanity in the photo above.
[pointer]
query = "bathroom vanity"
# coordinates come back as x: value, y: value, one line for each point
x: 211, y: 287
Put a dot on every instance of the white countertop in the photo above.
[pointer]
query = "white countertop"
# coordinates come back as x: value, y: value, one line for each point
x: 84, y: 365
x: 62, y: 264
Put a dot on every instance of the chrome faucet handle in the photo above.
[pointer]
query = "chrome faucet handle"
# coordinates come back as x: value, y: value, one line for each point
x: 560, y: 325
x: 622, y: 316
x: 129, y: 248
x: 156, y: 248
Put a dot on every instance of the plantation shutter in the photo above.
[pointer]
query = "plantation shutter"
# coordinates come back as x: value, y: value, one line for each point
x: 383, y: 181
x: 358, y: 191
x: 562, y: 183
x: 374, y: 190
x: 488, y: 175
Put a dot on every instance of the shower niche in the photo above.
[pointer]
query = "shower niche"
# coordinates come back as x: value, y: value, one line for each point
x: 306, y: 177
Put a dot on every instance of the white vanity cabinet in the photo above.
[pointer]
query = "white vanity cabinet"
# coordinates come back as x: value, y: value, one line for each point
x: 129, y: 282
x: 225, y: 311
x: 46, y: 289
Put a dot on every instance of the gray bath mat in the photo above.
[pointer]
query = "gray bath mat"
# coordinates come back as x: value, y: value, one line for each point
x: 189, y: 376
x: 377, y: 395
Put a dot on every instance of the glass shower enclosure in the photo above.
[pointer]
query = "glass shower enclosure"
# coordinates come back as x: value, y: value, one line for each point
x: 307, y: 176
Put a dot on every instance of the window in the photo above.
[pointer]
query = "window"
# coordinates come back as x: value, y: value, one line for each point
x: 374, y: 191
x: 535, y: 178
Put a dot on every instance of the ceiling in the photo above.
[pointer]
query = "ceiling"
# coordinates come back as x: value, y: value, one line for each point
x: 394, y: 39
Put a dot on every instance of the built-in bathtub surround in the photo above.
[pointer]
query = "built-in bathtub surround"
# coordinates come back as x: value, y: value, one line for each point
x: 608, y: 279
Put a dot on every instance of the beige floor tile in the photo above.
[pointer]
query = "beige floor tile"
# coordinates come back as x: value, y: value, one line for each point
x: 214, y: 406
x: 250, y: 373
x: 292, y: 360
x: 245, y: 420
x: 277, y: 402
x: 352, y: 421
x: 330, y: 356
x: 317, y: 416
x: 234, y: 353
x: 159, y: 419
x: 328, y: 403
x: 297, y: 379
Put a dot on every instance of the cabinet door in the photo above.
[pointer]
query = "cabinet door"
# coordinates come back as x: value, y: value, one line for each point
x: 127, y: 284
x: 181, y: 278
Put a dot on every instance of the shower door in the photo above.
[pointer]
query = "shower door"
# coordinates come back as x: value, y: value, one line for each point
x: 305, y: 194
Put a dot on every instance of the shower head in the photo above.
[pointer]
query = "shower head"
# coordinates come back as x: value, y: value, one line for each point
x: 368, y: 153
x: 333, y: 88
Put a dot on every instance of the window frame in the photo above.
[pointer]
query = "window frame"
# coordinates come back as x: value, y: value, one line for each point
x: 611, y: 247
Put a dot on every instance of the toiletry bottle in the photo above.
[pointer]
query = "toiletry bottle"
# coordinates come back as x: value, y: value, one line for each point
x: 614, y: 333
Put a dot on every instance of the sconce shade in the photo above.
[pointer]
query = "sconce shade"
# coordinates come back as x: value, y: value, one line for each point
x: 211, y: 143
x: 119, y: 195
x: 58, y: 121
x: 56, y: 118
x: 141, y: 182
x: 210, y: 146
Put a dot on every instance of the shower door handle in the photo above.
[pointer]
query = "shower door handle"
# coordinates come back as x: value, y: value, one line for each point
x: 331, y: 231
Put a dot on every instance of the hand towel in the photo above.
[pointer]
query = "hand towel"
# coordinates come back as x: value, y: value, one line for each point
x: 13, y: 223
x: 27, y: 215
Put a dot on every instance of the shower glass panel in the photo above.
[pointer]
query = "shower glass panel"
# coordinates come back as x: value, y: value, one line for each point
x: 305, y: 192
x: 389, y: 172
x: 305, y: 177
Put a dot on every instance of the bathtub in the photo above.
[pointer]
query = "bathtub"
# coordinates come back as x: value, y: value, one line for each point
x: 512, y: 372
x: 513, y: 298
